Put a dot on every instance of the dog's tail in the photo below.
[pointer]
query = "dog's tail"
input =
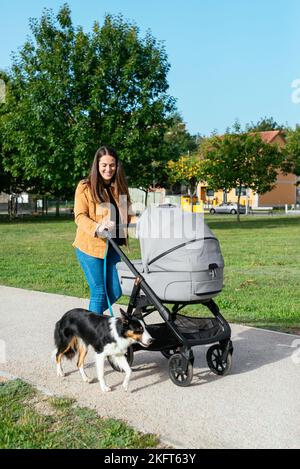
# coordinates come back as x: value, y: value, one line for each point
x: 65, y: 340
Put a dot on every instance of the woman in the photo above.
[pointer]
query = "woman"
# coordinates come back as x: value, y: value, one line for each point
x: 102, y: 202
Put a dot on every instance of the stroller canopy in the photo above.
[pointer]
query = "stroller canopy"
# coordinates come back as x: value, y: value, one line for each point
x: 176, y: 241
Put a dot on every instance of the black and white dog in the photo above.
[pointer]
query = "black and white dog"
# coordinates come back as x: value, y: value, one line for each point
x: 109, y: 336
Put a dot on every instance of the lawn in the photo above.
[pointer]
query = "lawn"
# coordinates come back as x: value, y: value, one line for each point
x: 262, y: 265
x: 29, y: 420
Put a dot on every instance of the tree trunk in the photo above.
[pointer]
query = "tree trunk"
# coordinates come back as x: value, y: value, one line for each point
x: 238, y: 205
x: 57, y: 208
x: 13, y: 206
x: 16, y: 206
x: 10, y: 208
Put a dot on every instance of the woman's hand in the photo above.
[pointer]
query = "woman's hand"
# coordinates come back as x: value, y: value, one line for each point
x: 106, y: 225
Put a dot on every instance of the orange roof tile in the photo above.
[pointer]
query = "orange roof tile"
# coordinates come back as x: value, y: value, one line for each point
x: 269, y: 135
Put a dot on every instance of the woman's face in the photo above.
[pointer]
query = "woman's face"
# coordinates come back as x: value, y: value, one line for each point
x: 107, y: 167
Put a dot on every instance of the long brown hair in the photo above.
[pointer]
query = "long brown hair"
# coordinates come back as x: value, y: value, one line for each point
x: 96, y: 183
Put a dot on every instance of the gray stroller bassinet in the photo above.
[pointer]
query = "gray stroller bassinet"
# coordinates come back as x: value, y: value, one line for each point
x: 181, y: 258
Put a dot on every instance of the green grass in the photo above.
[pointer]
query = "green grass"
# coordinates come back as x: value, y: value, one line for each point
x: 31, y: 420
x: 262, y: 270
x: 262, y: 265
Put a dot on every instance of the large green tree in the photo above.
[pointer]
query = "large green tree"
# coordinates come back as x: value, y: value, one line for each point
x: 240, y: 160
x: 73, y: 91
x: 8, y: 183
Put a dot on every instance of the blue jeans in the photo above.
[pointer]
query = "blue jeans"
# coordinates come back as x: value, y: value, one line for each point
x: 93, y: 270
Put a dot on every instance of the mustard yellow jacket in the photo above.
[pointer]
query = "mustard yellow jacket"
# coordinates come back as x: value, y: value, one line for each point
x: 88, y: 215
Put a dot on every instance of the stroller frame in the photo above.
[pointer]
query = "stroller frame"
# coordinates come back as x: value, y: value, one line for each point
x: 176, y: 336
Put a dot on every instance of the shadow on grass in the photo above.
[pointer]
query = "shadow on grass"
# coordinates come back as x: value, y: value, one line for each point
x: 36, y: 219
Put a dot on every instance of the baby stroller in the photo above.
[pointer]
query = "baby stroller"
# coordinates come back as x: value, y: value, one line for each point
x: 181, y: 264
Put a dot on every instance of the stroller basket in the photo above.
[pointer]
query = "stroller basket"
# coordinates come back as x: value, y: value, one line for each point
x: 198, y: 329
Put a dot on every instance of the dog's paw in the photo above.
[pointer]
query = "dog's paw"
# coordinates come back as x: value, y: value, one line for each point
x: 105, y: 388
x: 60, y: 374
x: 125, y: 386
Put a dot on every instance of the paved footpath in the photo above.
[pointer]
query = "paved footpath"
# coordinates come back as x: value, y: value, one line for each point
x: 256, y: 406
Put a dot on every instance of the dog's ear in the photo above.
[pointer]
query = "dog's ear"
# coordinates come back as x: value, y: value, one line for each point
x: 124, y: 316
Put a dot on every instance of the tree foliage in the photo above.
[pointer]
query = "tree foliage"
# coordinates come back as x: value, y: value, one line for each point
x: 240, y: 160
x: 179, y: 141
x: 188, y: 170
x: 292, y: 152
x: 8, y: 183
x: 73, y: 91
x: 264, y: 124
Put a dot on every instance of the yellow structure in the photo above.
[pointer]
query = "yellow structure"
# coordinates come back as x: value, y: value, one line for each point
x: 185, y: 199
x: 190, y: 204
x: 198, y: 208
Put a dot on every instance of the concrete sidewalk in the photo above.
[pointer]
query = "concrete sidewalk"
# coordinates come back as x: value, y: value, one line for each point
x: 256, y: 406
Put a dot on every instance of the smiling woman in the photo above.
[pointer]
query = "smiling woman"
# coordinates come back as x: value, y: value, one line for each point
x: 102, y: 202
x: 107, y: 167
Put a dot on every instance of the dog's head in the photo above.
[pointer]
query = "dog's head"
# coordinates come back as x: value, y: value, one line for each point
x: 135, y: 329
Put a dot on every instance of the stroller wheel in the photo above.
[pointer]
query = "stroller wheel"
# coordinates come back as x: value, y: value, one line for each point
x: 216, y: 363
x: 180, y: 370
x: 129, y: 358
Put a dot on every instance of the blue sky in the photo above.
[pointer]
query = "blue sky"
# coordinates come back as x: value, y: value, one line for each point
x: 229, y: 58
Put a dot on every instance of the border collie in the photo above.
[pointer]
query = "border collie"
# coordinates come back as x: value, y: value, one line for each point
x: 109, y: 336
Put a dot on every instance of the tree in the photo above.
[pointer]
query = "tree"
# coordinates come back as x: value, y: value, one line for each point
x: 188, y: 170
x: 292, y: 152
x: 139, y: 107
x: 72, y: 92
x: 36, y: 130
x: 264, y: 124
x: 239, y: 160
x: 8, y: 183
x: 179, y: 141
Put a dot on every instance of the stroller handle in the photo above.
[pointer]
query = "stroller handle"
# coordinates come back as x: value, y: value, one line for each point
x: 107, y: 234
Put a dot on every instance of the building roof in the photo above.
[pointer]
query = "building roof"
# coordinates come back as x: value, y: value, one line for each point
x: 269, y: 135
